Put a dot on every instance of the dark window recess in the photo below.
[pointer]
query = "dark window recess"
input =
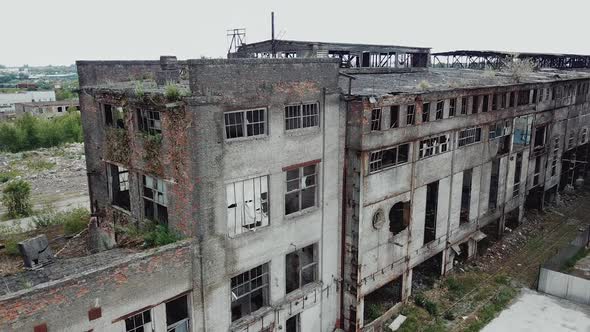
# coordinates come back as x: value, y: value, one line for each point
x: 452, y: 107
x: 466, y: 196
x: 119, y: 186
x: 399, y: 217
x: 534, y: 96
x: 537, y: 173
x: 494, y: 181
x: 177, y: 319
x: 486, y: 103
x: 539, y: 138
x: 425, y: 112
x: 394, y: 116
x: 523, y: 97
x: 301, y: 188
x: 155, y: 200
x: 249, y: 292
x: 293, y: 324
x: 503, y: 100
x: 114, y: 116
x: 140, y: 322
x: 495, y: 98
x: 410, y: 115
x: 464, y: 105
x: 517, y: 172
x: 512, y: 99
x: 440, y: 105
x: 475, y: 105
x: 504, y: 144
x: 384, y: 297
x: 376, y: 119
x: 301, y: 268
x: 430, y: 213
x: 149, y: 121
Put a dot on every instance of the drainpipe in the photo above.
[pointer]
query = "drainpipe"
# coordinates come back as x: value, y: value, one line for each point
x: 323, y: 202
x: 343, y: 201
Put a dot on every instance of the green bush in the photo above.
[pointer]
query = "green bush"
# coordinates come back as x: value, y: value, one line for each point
x: 159, y: 235
x: 16, y: 197
x: 6, y: 176
x: 11, y: 244
x: 424, y: 302
x: 29, y: 132
x: 75, y: 220
x: 172, y: 92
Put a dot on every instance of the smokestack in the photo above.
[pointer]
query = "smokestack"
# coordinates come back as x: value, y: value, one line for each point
x: 272, y: 27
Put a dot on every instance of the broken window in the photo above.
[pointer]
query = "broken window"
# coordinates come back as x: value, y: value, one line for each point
x: 571, y: 140
x: 469, y: 136
x: 149, y: 121
x: 301, y: 188
x: 440, y: 105
x: 293, y: 324
x: 247, y: 123
x: 537, y: 172
x: 301, y: 268
x: 410, y: 115
x: 177, y: 318
x: 534, y: 96
x: 494, y: 181
x: 249, y: 292
x: 499, y: 129
x: 466, y: 196
x: 523, y: 97
x: 517, y: 172
x: 485, y: 103
x: 475, y: 105
x: 141, y: 322
x: 464, y: 105
x: 113, y: 116
x: 522, y: 130
x: 394, y: 116
x: 376, y: 119
x: 452, y: 107
x: 302, y: 116
x: 155, y: 199
x: 430, y: 212
x: 247, y: 205
x: 583, y: 135
x: 555, y: 152
x: 539, y: 137
x: 433, y: 146
x: 425, y: 112
x: 383, y: 159
x: 118, y: 180
x: 399, y: 217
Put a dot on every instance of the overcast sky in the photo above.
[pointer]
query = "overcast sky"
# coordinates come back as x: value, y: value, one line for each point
x: 40, y: 32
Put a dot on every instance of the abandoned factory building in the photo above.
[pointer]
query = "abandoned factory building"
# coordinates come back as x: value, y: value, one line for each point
x: 307, y: 181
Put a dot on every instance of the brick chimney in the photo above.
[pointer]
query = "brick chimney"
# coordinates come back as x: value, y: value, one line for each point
x: 169, y: 72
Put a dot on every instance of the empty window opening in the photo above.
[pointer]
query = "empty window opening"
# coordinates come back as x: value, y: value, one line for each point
x: 500, y: 131
x: 469, y: 136
x: 426, y: 273
x: 584, y: 136
x: 492, y: 232
x: 494, y: 182
x: 495, y: 98
x: 511, y: 220
x: 60, y: 109
x: 539, y: 138
x: 293, y: 324
x: 247, y: 123
x: 486, y: 103
x: 433, y: 146
x: 474, y: 105
x: 155, y: 199
x: 522, y: 130
x: 523, y: 97
x: 149, y: 122
x: 555, y: 156
x: 517, y: 173
x: 440, y: 106
x: 141, y: 322
x: 394, y: 116
x: 534, y: 96
x: 301, y: 188
x: 452, y: 107
x: 430, y: 213
x: 376, y: 119
x: 425, y: 112
x: 114, y: 116
x: 118, y: 180
x: 302, y: 116
x: 383, y: 159
x: 571, y: 141
x: 466, y: 196
x: 537, y: 172
x: 399, y: 217
x: 301, y: 268
x: 382, y: 299
x: 177, y: 318
x: 464, y: 105
x: 410, y: 115
x: 247, y: 205
x: 512, y: 99
x: 502, y: 100
x: 249, y: 292
x: 463, y: 255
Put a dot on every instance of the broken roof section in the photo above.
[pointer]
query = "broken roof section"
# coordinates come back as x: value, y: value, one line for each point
x: 350, y: 55
x: 380, y: 83
x: 494, y: 59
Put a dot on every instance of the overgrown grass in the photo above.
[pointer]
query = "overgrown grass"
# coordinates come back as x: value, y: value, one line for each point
x: 37, y: 165
x: 74, y: 221
x: 8, y: 175
x: 492, y: 309
x: 152, y: 234
x: 172, y: 92
x: 418, y: 320
x: 29, y: 132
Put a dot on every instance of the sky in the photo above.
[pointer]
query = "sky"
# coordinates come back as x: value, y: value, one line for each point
x: 59, y: 32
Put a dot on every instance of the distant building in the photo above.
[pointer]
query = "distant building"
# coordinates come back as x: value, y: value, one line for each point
x: 7, y: 100
x: 47, y: 109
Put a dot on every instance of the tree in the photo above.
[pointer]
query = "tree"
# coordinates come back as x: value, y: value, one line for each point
x: 16, y: 197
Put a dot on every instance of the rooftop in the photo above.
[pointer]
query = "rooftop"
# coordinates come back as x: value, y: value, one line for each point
x: 50, y: 103
x: 384, y: 82
x: 292, y: 45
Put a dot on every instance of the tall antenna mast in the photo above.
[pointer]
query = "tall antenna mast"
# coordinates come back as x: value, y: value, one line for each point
x: 238, y: 37
x: 272, y: 27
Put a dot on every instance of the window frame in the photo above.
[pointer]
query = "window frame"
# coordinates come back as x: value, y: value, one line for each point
x: 411, y: 115
x: 464, y: 104
x: 132, y: 319
x: 301, y: 187
x: 301, y: 117
x: 374, y: 159
x: 467, y: 139
x: 434, y: 149
x: 154, y: 200
x: 425, y: 112
x: 244, y: 124
x: 452, y: 107
x: 263, y: 203
x: 376, y: 119
x: 110, y: 186
x: 116, y: 116
x: 144, y: 119
x: 264, y: 276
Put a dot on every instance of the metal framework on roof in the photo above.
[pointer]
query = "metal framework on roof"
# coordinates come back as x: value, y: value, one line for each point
x: 496, y: 60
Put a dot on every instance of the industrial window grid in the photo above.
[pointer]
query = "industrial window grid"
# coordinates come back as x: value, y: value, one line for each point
x: 440, y: 105
x: 301, y: 188
x: 138, y: 322
x: 302, y: 116
x: 571, y: 140
x: 554, y: 160
x: 433, y: 146
x: 376, y: 119
x: 425, y: 112
x: 155, y: 199
x: 245, y: 285
x: 469, y: 136
x: 452, y: 107
x: 248, y: 123
x: 390, y: 157
x: 499, y: 129
x: 149, y: 121
x: 118, y: 183
x: 410, y: 115
x: 583, y: 135
x: 247, y: 204
x: 307, y: 273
